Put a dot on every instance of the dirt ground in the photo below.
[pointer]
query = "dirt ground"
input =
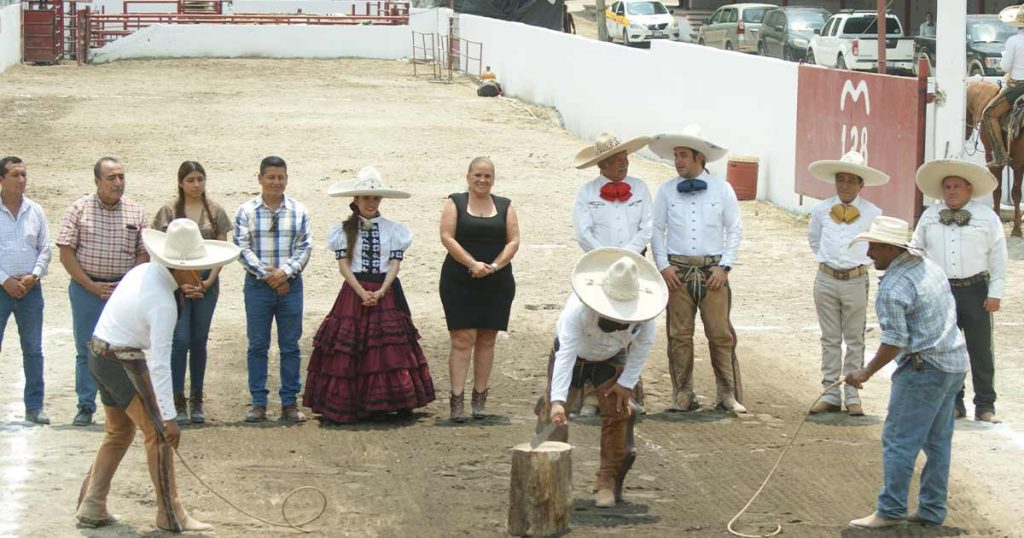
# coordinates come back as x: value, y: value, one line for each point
x: 426, y: 477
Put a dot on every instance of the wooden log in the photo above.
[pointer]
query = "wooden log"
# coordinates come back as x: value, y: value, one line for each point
x: 540, y: 498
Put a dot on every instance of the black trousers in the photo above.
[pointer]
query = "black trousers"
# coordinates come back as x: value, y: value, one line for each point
x: 977, y: 327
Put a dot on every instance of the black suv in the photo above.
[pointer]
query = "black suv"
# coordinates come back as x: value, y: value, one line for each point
x: 786, y: 31
x: 986, y: 36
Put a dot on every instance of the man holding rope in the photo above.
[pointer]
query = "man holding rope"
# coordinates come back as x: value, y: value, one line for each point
x: 136, y: 389
x: 917, y: 315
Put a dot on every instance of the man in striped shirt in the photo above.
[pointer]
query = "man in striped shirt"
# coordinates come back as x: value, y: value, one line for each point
x: 24, y: 257
x: 100, y: 239
x: 273, y: 232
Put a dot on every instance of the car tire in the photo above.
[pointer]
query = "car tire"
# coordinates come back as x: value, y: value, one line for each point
x: 728, y: 45
x: 761, y: 49
x: 625, y: 38
x: 975, y: 69
x: 809, y: 58
x: 787, y: 54
x: 841, y: 63
x: 700, y: 42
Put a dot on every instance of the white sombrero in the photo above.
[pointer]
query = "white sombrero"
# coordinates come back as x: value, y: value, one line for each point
x: 888, y: 230
x: 183, y: 247
x: 606, y: 145
x: 366, y: 183
x: 620, y: 285
x: 664, y: 145
x: 1012, y: 15
x: 851, y: 163
x: 931, y: 175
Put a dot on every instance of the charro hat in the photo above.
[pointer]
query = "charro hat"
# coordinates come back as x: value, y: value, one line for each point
x: 852, y: 163
x: 366, y: 183
x: 606, y: 145
x: 620, y: 285
x: 183, y: 247
x: 888, y: 230
x: 931, y: 175
x: 664, y: 145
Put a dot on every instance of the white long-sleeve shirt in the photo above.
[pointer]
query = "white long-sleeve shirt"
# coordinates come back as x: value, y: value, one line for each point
x: 579, y: 336
x: 830, y: 241
x: 141, y: 314
x: 703, y: 223
x: 964, y: 251
x: 1013, y: 56
x: 600, y: 223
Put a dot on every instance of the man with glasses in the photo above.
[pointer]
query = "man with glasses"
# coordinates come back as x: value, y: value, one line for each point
x: 273, y: 232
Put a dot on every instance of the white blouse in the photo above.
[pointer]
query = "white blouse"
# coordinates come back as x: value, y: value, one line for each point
x: 379, y: 241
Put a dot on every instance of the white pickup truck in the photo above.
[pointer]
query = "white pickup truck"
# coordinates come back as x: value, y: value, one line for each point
x: 849, y: 40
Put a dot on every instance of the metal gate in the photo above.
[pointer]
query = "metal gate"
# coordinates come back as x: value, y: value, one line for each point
x: 42, y: 24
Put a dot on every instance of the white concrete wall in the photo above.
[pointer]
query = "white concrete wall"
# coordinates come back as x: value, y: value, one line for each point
x: 273, y: 41
x: 10, y: 36
x: 600, y: 86
x: 309, y: 7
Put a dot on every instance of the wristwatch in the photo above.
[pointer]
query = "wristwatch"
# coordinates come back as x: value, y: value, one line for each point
x: 726, y: 268
x: 494, y: 266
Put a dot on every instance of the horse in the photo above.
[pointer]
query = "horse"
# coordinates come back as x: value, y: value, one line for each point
x: 979, y: 95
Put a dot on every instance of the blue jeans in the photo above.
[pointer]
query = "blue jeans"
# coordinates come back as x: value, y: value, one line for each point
x: 190, y: 335
x: 28, y: 313
x: 920, y: 418
x: 85, y: 312
x: 262, y: 306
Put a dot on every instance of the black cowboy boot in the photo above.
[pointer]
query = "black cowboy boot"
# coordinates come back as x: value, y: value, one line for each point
x: 181, y: 407
x: 195, y: 404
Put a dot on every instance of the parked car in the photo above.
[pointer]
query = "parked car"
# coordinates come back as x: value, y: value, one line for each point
x: 849, y: 40
x: 640, y: 21
x: 787, y: 31
x: 733, y: 27
x: 986, y: 36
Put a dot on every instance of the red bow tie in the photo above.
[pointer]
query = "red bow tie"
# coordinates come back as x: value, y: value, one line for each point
x: 616, y: 191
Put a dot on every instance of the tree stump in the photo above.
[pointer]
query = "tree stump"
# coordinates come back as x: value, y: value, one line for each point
x: 540, y: 499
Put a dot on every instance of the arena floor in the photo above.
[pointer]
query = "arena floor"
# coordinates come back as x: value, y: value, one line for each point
x: 425, y: 477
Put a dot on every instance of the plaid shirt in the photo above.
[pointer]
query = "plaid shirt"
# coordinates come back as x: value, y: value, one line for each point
x: 24, y: 241
x: 106, y: 239
x: 273, y: 238
x: 917, y: 313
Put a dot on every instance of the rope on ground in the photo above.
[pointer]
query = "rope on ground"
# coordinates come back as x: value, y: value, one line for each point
x: 284, y: 504
x: 517, y: 105
x: 778, y: 528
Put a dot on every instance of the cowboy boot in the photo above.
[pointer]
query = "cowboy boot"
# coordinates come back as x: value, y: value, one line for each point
x: 92, y: 500
x: 727, y: 400
x: 627, y: 463
x: 181, y: 407
x: 478, y: 403
x: 195, y: 404
x: 457, y: 407
x: 614, y: 450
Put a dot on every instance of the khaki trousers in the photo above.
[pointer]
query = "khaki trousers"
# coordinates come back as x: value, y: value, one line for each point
x: 714, y: 314
x: 842, y: 313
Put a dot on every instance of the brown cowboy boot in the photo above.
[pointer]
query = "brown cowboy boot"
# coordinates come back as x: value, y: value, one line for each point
x: 615, y: 451
x: 91, y: 511
x: 457, y: 407
x: 478, y: 403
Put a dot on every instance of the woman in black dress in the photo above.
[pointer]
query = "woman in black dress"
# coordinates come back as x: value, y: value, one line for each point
x: 481, y: 233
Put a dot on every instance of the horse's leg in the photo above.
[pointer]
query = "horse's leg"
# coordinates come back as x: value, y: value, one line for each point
x: 1015, y: 195
x: 997, y: 195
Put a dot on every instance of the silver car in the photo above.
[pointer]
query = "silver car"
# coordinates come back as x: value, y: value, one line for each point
x: 734, y: 27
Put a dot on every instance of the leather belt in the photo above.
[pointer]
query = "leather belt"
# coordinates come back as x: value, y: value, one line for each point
x: 115, y: 353
x: 969, y: 281
x: 845, y: 274
x: 694, y: 261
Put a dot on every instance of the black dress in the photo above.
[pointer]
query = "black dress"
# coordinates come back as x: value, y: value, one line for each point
x: 478, y: 303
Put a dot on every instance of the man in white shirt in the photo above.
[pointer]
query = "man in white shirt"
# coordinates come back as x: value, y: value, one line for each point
x: 135, y: 389
x: 927, y: 28
x: 1013, y: 65
x: 966, y: 239
x: 612, y: 210
x: 697, y: 234
x: 605, y: 334
x: 841, y: 284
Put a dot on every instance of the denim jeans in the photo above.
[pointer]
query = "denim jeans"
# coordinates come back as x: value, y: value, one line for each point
x: 85, y: 312
x: 920, y: 418
x: 190, y: 335
x: 262, y: 306
x: 28, y: 314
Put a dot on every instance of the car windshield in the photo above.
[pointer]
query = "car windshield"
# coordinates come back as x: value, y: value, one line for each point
x: 865, y: 25
x: 806, y: 21
x: 993, y: 31
x: 646, y: 8
x: 755, y: 15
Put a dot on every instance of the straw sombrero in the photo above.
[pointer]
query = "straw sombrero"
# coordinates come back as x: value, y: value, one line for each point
x: 606, y: 145
x: 931, y: 175
x: 620, y: 285
x: 366, y: 183
x: 183, y: 247
x: 664, y: 145
x: 888, y: 230
x: 851, y: 163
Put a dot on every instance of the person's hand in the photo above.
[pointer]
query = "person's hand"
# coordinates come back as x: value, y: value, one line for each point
x: 858, y: 378
x: 28, y: 282
x: 282, y: 288
x: 481, y: 269
x: 671, y: 278
x: 172, y: 432
x: 379, y: 294
x: 557, y: 414
x: 103, y: 290
x: 368, y: 297
x: 619, y: 396
x: 14, y: 287
x: 990, y: 305
x: 207, y: 284
x: 718, y: 278
x: 276, y: 277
